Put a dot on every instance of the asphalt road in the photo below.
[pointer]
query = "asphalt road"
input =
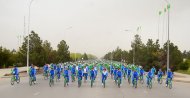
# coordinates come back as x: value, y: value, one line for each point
x: 42, y: 90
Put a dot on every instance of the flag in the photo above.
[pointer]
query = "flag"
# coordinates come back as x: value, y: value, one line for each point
x: 168, y: 6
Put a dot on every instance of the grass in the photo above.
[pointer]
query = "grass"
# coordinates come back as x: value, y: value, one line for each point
x: 184, y: 71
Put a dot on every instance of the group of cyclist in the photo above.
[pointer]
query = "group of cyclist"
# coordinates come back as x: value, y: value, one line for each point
x: 85, y: 70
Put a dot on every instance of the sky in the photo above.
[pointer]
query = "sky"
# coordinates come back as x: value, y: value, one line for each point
x: 94, y: 26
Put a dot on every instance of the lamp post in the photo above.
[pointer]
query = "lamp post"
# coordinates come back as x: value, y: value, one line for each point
x: 28, y: 34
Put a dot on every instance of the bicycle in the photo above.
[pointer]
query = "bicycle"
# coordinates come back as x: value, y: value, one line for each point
x: 14, y: 79
x: 169, y: 83
x: 119, y: 82
x: 141, y: 79
x: 79, y: 81
x: 160, y: 80
x: 73, y: 77
x: 149, y: 85
x: 104, y: 82
x: 51, y: 81
x: 45, y: 74
x: 66, y: 81
x: 57, y: 77
x: 31, y: 80
x: 92, y: 81
x: 135, y: 83
x: 129, y: 79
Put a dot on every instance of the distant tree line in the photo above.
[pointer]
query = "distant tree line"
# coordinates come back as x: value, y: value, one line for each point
x: 41, y: 52
x: 151, y: 54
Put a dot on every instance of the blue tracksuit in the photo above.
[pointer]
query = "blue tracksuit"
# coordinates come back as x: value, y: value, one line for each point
x: 115, y: 74
x: 52, y: 73
x: 80, y: 74
x: 104, y: 75
x: 135, y: 76
x: 15, y: 72
x: 141, y: 72
x: 92, y: 74
x: 33, y: 73
x: 160, y: 74
x: 149, y: 76
x: 66, y: 74
x: 73, y: 71
x: 58, y: 72
x: 169, y: 75
x: 129, y: 72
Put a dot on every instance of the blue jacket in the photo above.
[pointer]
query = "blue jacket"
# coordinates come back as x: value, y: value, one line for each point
x: 115, y: 72
x: 80, y: 73
x: 45, y: 68
x: 15, y: 71
x: 92, y: 73
x: 104, y: 74
x: 153, y: 70
x: 160, y: 73
x: 58, y: 70
x: 33, y: 71
x: 129, y: 72
x: 135, y: 75
x: 149, y: 75
x: 119, y: 74
x: 141, y: 71
x: 169, y: 74
x: 52, y: 72
x: 73, y: 70
x: 66, y: 73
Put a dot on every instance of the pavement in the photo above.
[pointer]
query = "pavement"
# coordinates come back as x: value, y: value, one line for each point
x: 42, y: 90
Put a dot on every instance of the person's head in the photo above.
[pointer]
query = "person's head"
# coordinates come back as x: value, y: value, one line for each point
x: 104, y: 69
x: 169, y: 70
x: 118, y: 69
x: 160, y: 69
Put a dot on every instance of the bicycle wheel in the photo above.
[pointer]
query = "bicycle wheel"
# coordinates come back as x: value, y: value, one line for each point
x: 18, y: 80
x: 50, y: 82
x: 104, y: 83
x: 170, y: 84
x: 119, y: 82
x: 65, y: 81
x: 30, y: 81
x: 12, y: 80
x: 91, y: 83
x: 150, y: 84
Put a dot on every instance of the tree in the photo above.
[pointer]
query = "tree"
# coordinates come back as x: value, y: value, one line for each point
x: 85, y: 56
x: 47, y: 52
x: 63, y: 52
x: 36, y: 56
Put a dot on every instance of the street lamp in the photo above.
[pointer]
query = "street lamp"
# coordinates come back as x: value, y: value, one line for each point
x: 138, y: 28
x: 168, y: 41
x: 28, y: 34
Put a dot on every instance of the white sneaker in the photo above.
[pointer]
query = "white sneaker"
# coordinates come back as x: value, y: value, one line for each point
x: 102, y: 84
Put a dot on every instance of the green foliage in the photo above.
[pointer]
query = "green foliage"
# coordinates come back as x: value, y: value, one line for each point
x: 184, y: 65
x: 149, y: 54
x: 63, y: 53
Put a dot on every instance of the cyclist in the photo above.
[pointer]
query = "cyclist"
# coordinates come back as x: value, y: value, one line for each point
x: 92, y: 74
x: 169, y: 76
x: 96, y: 71
x: 149, y: 77
x: 104, y: 75
x: 119, y: 74
x: 66, y: 74
x: 129, y: 72
x: 141, y: 72
x: 115, y: 74
x: 135, y: 76
x: 73, y: 70
x: 80, y: 74
x: 160, y: 74
x: 58, y: 71
x: 52, y: 73
x: 15, y: 72
x: 32, y: 72
x: 85, y: 73
x: 153, y: 70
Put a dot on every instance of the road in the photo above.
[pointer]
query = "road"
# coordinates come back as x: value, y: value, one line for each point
x: 42, y: 90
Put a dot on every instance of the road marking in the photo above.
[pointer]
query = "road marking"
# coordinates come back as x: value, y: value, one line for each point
x: 37, y: 93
